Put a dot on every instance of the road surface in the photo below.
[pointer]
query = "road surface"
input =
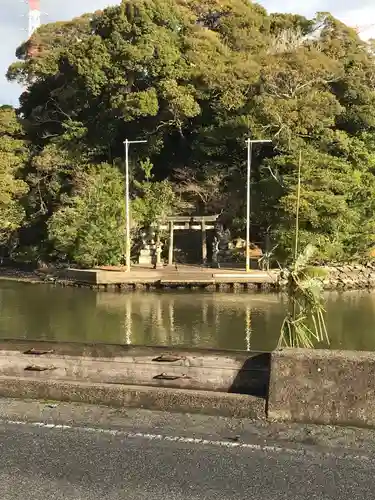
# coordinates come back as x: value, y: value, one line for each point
x: 173, y: 458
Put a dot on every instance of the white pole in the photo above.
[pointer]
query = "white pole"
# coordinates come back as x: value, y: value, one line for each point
x: 127, y: 203
x: 127, y: 207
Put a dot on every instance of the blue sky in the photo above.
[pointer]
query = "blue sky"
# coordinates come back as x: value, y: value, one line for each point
x: 13, y: 21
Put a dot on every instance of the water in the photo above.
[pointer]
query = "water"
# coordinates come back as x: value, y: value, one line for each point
x: 200, y: 319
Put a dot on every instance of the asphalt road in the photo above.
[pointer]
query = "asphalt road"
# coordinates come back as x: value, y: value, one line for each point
x: 41, y: 462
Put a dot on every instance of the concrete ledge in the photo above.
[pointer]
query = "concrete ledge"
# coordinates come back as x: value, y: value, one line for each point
x: 325, y: 387
x: 151, y: 398
x: 199, y: 276
x: 196, y: 369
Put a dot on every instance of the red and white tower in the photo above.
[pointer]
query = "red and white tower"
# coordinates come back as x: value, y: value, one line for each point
x: 34, y: 16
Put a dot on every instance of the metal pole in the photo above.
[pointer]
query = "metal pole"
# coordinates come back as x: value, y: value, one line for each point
x: 127, y: 207
x: 127, y: 203
x: 248, y: 200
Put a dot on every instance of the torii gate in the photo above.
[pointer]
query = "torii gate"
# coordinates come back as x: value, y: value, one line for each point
x: 201, y: 223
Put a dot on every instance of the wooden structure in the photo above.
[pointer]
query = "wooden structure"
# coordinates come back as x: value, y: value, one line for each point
x: 186, y: 277
x: 201, y: 223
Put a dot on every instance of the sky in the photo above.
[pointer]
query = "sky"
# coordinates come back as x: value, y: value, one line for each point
x: 13, y: 23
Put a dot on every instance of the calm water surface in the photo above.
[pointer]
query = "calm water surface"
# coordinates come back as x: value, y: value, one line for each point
x: 200, y: 319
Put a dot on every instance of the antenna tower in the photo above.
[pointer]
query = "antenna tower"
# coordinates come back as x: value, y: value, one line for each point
x: 34, y: 16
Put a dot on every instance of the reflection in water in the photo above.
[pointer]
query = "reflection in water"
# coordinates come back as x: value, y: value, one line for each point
x: 128, y: 324
x: 248, y: 327
x: 211, y: 320
x: 195, y: 319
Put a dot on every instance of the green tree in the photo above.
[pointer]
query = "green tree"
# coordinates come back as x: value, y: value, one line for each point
x: 154, y: 200
x: 336, y: 206
x: 88, y: 228
x: 13, y: 154
x: 196, y: 79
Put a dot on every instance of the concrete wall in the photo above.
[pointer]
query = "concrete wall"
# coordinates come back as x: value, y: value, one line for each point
x: 310, y: 386
x: 232, y: 384
x: 325, y: 387
x: 195, y: 369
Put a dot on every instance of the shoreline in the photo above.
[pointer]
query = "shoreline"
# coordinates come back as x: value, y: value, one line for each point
x: 20, y: 276
x: 337, y: 278
x: 35, y: 277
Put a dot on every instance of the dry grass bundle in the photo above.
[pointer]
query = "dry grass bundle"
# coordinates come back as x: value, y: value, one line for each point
x: 304, y: 324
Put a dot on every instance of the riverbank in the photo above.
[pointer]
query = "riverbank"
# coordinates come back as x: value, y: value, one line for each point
x: 342, y: 278
x: 349, y: 277
x: 21, y: 276
x: 49, y: 275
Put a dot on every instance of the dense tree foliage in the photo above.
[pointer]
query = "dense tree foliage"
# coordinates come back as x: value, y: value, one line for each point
x: 154, y: 200
x: 195, y: 79
x: 88, y: 227
x: 13, y: 152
